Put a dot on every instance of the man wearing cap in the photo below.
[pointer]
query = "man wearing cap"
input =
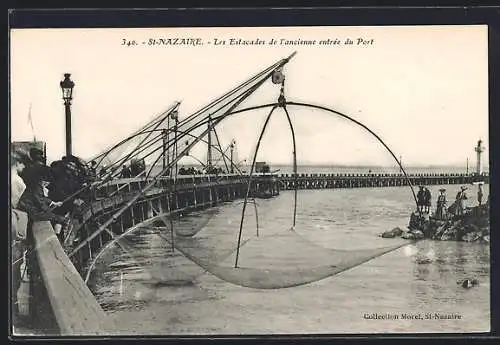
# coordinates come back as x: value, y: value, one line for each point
x: 441, y: 209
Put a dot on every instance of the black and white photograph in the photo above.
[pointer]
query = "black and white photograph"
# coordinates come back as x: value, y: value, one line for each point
x: 178, y: 181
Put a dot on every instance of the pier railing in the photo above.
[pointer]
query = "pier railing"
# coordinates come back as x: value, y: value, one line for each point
x: 68, y: 303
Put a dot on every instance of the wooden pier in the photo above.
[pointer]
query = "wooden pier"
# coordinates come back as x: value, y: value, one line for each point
x: 327, y: 181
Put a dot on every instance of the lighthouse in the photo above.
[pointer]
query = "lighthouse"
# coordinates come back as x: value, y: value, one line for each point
x: 479, y: 149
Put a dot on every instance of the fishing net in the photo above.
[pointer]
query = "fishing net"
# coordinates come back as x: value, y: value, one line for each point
x: 166, y: 265
x: 273, y: 260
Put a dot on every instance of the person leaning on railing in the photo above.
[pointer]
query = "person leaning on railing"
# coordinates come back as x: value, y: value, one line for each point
x: 18, y: 227
x: 35, y: 202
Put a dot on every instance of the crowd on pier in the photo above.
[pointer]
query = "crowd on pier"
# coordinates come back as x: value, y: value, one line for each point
x: 42, y: 193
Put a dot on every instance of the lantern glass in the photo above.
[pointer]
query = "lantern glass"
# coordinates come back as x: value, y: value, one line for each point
x: 67, y: 93
x: 67, y: 87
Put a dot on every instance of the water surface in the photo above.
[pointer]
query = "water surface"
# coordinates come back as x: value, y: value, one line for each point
x: 156, y: 291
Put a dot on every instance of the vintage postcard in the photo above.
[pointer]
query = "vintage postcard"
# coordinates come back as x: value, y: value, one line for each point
x: 250, y: 180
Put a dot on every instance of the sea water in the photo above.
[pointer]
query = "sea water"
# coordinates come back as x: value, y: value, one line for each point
x: 393, y: 293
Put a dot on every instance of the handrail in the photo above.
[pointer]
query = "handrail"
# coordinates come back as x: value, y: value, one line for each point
x: 74, y: 306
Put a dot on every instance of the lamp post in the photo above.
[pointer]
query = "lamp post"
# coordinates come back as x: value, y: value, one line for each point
x: 67, y: 94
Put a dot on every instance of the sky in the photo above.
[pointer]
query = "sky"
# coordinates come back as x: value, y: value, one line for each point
x: 422, y: 89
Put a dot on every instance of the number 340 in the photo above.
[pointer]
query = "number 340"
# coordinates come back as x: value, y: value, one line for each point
x: 126, y: 42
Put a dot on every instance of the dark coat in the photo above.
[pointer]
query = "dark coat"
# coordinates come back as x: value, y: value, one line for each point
x: 420, y: 197
x: 427, y: 197
x: 37, y: 205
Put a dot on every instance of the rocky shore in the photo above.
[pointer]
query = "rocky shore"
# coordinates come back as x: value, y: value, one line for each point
x: 472, y: 226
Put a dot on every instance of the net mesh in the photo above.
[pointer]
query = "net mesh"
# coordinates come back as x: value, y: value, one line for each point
x: 269, y: 258
x: 266, y: 261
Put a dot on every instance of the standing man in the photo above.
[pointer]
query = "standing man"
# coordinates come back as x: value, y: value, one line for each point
x: 480, y: 193
x: 420, y: 199
x: 18, y: 228
x: 427, y: 200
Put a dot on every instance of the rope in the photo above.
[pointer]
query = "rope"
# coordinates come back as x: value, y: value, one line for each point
x: 282, y: 103
x: 250, y: 182
x: 294, y: 166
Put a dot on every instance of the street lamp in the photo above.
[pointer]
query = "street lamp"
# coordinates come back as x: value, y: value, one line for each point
x: 67, y: 94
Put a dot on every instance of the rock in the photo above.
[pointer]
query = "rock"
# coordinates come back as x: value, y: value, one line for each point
x: 450, y: 233
x: 439, y: 231
x: 448, y: 236
x: 408, y: 236
x: 429, y: 229
x: 485, y: 231
x: 398, y: 231
x: 392, y: 233
x: 418, y: 234
x: 439, y: 223
x: 471, y: 227
x: 471, y: 237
